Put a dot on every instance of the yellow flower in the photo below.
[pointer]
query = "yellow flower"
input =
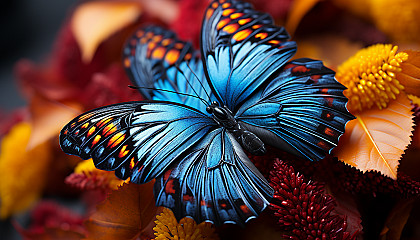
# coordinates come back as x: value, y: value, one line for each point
x: 370, y: 76
x: 22, y: 172
x: 167, y: 227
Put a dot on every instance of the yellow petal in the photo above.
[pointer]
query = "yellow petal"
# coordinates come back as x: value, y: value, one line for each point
x: 93, y: 22
x: 22, y: 173
x: 297, y: 12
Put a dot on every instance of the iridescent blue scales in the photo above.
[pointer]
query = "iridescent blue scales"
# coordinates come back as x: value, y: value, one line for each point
x: 206, y: 110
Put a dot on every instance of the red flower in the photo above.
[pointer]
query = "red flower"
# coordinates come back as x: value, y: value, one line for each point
x: 302, y: 207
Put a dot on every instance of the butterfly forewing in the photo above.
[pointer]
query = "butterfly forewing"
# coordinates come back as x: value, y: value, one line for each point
x: 241, y: 49
x: 138, y: 140
x: 156, y: 59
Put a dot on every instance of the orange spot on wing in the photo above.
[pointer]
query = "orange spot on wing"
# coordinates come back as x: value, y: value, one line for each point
x: 85, y: 125
x: 225, y: 5
x: 227, y: 12
x: 169, y: 188
x: 187, y: 198
x: 231, y: 28
x: 261, y: 35
x: 109, y: 129
x: 166, y: 42
x: 222, y: 23
x: 116, y: 139
x: 123, y: 152
x: 132, y: 163
x: 149, y: 35
x: 329, y: 132
x: 256, y: 26
x: 158, y: 53
x: 172, y: 56
x: 215, y: 5
x: 179, y: 45
x: 323, y: 145
x: 157, y: 38
x: 84, y: 117
x: 140, y: 33
x: 96, y: 140
x: 241, y: 35
x: 127, y: 62
x: 188, y: 56
x: 300, y: 69
x: 245, y: 209
x: 91, y: 131
x: 244, y: 21
x: 209, y: 13
x: 103, y: 122
x: 275, y: 42
x: 236, y: 15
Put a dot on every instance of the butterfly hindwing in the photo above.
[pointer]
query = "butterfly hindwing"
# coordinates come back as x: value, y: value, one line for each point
x: 302, y: 110
x: 136, y: 139
x: 241, y: 49
x: 155, y: 58
x: 215, y: 182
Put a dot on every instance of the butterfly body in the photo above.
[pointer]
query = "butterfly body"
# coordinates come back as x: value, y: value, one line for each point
x: 224, y: 117
x: 204, y: 110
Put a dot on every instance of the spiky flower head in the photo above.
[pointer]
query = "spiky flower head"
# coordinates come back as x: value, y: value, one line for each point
x: 302, y: 208
x: 370, y: 76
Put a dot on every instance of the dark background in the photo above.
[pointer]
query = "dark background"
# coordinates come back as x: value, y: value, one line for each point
x: 28, y: 29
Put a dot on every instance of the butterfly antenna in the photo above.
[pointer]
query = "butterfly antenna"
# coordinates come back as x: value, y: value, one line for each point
x: 165, y: 90
x: 198, y: 96
x: 198, y: 79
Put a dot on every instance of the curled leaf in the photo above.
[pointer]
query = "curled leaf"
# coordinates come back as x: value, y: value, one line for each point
x: 48, y: 117
x: 93, y: 22
x: 409, y: 76
x: 125, y: 214
x: 377, y: 139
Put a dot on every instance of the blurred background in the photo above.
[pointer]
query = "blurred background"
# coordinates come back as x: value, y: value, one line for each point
x: 28, y: 31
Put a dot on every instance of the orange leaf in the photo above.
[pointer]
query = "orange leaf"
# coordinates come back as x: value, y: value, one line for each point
x: 409, y: 76
x: 47, y: 118
x: 377, y: 138
x: 297, y: 12
x: 125, y: 214
x: 93, y: 22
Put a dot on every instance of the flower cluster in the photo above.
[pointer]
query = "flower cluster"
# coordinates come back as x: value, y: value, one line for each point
x: 372, y: 45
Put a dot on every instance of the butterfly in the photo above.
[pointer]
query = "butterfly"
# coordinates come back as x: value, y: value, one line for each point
x: 206, y: 110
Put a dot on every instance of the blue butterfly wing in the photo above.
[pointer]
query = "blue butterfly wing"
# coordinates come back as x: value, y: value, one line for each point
x: 215, y: 182
x: 142, y: 140
x: 155, y: 58
x: 241, y: 49
x: 302, y: 110
x: 136, y: 139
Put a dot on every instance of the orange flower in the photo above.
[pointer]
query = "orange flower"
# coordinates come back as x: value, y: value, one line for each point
x: 167, y: 227
x: 22, y: 171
